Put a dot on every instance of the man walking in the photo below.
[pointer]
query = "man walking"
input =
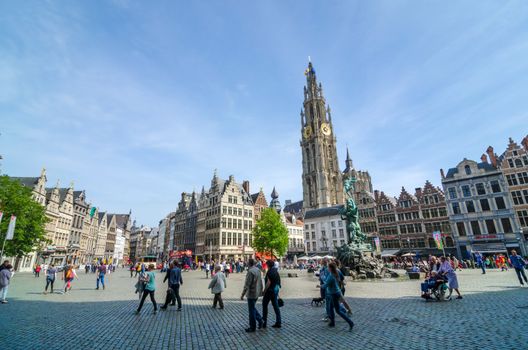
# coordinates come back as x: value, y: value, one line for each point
x: 480, y: 262
x: 101, y: 272
x: 253, y: 289
x: 175, y: 280
x: 518, y: 264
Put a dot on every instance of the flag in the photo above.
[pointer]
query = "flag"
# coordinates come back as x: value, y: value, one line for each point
x: 378, y: 245
x: 437, y: 236
x: 11, y: 229
x: 92, y: 212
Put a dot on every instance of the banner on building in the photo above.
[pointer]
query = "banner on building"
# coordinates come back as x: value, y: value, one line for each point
x: 378, y: 244
x: 437, y: 236
x: 11, y: 229
x: 92, y: 212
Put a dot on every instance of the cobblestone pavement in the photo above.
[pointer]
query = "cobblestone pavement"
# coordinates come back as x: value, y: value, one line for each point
x: 387, y: 314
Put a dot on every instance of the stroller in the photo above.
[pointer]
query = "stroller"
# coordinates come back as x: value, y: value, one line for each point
x: 435, y: 288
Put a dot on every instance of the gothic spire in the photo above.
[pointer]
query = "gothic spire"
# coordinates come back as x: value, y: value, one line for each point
x: 348, y: 162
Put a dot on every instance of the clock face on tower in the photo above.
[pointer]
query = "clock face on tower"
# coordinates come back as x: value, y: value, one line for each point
x: 325, y: 129
x: 307, y: 132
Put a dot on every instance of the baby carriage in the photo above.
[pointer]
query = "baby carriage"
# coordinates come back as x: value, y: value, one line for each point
x: 435, y: 288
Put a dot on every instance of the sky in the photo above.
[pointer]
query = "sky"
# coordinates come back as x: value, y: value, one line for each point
x: 137, y: 102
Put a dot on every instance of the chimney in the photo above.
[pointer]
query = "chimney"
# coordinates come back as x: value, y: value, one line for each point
x: 442, y: 173
x: 484, y: 158
x: 245, y: 186
x: 524, y: 142
x: 418, y: 191
x: 492, y: 156
x: 376, y: 195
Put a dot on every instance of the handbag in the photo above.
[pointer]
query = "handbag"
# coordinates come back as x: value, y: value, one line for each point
x: 280, y: 302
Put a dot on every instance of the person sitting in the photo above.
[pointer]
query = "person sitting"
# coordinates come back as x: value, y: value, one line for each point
x: 431, y: 283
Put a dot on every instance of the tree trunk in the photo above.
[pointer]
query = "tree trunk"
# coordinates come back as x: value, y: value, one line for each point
x: 17, y: 263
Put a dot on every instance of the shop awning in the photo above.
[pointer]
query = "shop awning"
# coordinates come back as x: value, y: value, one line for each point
x: 389, y: 252
x: 489, y: 247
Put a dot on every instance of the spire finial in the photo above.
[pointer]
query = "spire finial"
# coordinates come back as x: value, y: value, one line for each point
x: 309, y: 59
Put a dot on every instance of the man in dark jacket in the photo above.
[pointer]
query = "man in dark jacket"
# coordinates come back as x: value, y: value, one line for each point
x: 174, y: 275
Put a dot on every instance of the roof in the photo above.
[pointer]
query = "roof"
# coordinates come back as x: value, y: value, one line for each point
x: 321, y: 212
x: 482, y: 165
x: 26, y: 181
x: 62, y: 194
x: 121, y: 220
x: 294, y: 208
x: 254, y: 197
x: 100, y: 217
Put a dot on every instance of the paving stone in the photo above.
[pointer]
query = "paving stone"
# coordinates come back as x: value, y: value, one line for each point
x: 387, y: 314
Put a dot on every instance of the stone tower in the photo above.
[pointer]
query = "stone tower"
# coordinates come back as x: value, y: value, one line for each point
x: 322, y: 181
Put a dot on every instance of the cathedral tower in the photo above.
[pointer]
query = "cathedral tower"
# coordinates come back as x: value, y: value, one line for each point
x: 322, y: 181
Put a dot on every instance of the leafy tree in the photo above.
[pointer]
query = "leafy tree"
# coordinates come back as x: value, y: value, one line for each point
x: 16, y: 199
x: 270, y: 235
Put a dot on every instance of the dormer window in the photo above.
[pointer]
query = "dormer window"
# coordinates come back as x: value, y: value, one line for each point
x: 467, y: 169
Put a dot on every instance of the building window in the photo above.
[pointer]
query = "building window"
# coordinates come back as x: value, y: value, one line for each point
x: 518, y: 163
x: 525, y: 194
x: 506, y: 225
x: 466, y: 192
x: 313, y: 235
x: 470, y: 206
x: 495, y: 186
x: 467, y: 169
x: 223, y: 238
x: 523, y: 217
x: 340, y: 223
x: 452, y: 192
x: 523, y: 178
x: 484, y: 204
x: 475, y: 227
x: 517, y: 197
x: 490, y: 225
x: 341, y: 233
x: 334, y: 234
x: 332, y: 224
x: 456, y: 208
x: 500, y: 203
x: 480, y: 188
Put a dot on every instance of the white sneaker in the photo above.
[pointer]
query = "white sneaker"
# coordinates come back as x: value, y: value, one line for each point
x: 325, y: 319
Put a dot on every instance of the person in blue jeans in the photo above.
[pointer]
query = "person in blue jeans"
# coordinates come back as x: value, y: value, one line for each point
x: 480, y: 262
x: 333, y: 295
x: 101, y: 272
x: 253, y: 289
x: 323, y: 273
x: 518, y: 264
x: 271, y: 293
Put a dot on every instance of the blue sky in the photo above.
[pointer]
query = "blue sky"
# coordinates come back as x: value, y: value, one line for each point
x: 138, y: 101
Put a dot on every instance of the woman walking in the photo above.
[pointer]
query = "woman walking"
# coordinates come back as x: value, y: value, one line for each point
x: 69, y: 275
x: 271, y: 293
x: 150, y: 288
x: 51, y: 274
x: 332, y: 290
x: 446, y: 270
x: 217, y: 286
x: 5, y: 279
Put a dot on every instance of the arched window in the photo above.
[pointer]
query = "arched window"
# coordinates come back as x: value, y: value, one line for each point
x: 432, y: 243
x: 449, y: 242
x: 467, y: 169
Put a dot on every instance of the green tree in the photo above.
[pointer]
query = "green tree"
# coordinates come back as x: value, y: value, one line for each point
x: 16, y: 199
x: 270, y: 235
